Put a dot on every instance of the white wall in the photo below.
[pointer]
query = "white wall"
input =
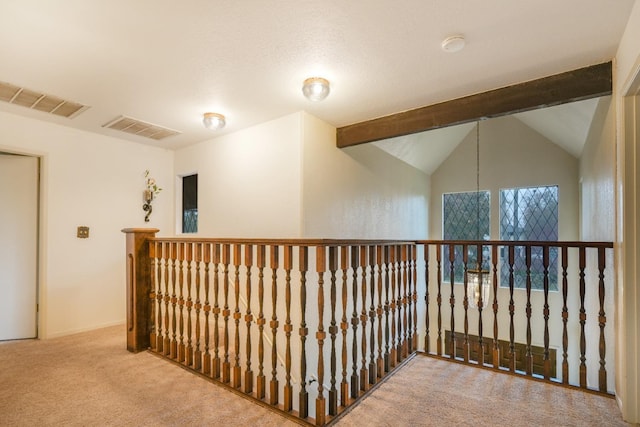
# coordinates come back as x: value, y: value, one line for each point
x: 95, y: 181
x: 626, y: 73
x: 511, y: 155
x: 248, y: 181
x: 360, y: 192
x: 289, y: 173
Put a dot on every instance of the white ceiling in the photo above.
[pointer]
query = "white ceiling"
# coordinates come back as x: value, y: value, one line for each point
x: 168, y: 62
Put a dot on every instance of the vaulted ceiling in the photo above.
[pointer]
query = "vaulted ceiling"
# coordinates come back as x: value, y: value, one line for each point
x: 566, y: 125
x: 166, y: 63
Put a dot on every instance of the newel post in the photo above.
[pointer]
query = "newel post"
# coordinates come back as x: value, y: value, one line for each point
x: 138, y: 287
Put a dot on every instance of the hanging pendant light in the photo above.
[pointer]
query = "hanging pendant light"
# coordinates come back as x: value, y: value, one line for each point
x: 478, y: 280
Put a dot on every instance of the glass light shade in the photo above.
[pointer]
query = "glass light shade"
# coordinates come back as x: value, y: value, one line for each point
x: 478, y: 287
x: 316, y: 88
x: 213, y: 121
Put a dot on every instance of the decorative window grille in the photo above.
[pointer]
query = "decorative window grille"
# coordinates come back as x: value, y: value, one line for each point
x: 190, y: 204
x: 529, y: 214
x: 466, y: 216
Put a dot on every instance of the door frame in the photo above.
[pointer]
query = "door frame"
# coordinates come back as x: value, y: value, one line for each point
x: 39, y: 240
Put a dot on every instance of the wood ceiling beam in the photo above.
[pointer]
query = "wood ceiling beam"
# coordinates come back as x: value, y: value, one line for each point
x: 576, y: 85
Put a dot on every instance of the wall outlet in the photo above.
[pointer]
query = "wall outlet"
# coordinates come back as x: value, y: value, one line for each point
x: 83, y: 232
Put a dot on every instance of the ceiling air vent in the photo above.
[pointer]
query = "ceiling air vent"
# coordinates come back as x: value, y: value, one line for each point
x: 140, y: 128
x: 39, y: 101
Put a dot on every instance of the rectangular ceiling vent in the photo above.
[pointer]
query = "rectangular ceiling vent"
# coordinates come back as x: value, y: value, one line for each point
x: 140, y: 128
x: 39, y: 101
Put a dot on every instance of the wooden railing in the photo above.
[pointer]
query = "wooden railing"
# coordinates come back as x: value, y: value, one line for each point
x: 560, y: 308
x: 308, y: 327
x: 304, y: 326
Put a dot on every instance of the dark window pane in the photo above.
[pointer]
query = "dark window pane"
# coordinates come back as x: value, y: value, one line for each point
x: 529, y: 214
x: 190, y: 204
x: 466, y: 216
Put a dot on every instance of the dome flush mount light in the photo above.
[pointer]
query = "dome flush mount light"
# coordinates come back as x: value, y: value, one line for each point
x: 453, y: 44
x: 316, y: 88
x: 213, y: 121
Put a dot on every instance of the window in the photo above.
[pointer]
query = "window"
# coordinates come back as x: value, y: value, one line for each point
x: 465, y: 216
x: 190, y: 204
x: 529, y: 214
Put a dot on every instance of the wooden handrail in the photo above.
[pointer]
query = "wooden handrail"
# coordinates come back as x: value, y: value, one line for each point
x: 340, y: 315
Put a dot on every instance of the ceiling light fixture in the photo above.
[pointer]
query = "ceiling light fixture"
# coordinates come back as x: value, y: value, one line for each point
x: 315, y: 88
x: 213, y: 121
x: 453, y: 44
x: 478, y: 279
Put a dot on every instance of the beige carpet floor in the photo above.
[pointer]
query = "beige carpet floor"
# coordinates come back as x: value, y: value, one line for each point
x: 89, y: 379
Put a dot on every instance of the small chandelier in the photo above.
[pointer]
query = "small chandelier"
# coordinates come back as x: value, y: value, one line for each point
x: 478, y: 280
x: 213, y: 121
x: 478, y: 287
x: 316, y: 88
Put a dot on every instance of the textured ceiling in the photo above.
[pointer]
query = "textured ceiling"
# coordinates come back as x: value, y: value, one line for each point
x: 166, y: 63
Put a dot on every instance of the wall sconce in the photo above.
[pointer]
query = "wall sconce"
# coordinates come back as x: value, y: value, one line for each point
x: 148, y: 198
x: 316, y: 88
x: 148, y: 194
x: 213, y: 121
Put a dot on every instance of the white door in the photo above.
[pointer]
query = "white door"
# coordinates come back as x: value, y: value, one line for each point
x: 18, y: 246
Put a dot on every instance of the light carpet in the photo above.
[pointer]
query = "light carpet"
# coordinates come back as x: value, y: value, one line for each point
x: 89, y: 379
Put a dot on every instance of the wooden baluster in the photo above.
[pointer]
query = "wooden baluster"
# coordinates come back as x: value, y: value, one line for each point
x: 583, y: 319
x: 153, y: 296
x: 496, y: 347
x: 414, y: 299
x: 320, y: 335
x: 545, y: 311
x: 344, y: 326
x: 206, y: 256
x: 166, y: 251
x: 387, y: 309
x: 215, y: 369
x: 261, y: 379
x: 288, y: 327
x: 226, y: 312
x: 602, y: 321
x: 355, y: 387
x: 333, y: 330
x: 237, y: 369
x: 512, y: 345
x: 304, y: 331
x: 181, y: 300
x: 273, y: 385
x: 480, y: 307
x: 439, y: 297
x: 427, y: 338
x: 405, y: 306
x: 189, y: 303
x: 248, y: 318
x: 452, y: 299
x: 373, y: 370
x: 197, y: 354
x: 465, y: 304
x: 565, y: 316
x: 174, y: 300
x: 528, y: 358
x: 379, y: 310
x: 364, y: 372
x: 399, y: 305
x: 393, y: 358
x: 160, y: 297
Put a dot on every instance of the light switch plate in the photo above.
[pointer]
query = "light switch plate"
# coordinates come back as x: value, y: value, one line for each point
x: 83, y: 232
